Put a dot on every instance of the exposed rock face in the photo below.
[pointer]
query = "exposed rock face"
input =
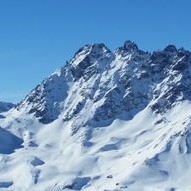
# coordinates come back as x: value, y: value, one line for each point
x: 110, y: 83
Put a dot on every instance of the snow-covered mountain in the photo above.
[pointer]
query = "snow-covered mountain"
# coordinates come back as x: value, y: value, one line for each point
x: 108, y: 120
x: 4, y: 106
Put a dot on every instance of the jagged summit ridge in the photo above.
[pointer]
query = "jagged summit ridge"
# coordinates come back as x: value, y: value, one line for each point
x: 125, y: 107
x: 112, y: 83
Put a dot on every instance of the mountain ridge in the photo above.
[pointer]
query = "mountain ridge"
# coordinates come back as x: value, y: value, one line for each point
x: 107, y: 120
x: 95, y: 59
x: 5, y: 106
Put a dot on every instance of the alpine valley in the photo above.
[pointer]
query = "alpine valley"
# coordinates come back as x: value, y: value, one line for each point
x: 106, y: 121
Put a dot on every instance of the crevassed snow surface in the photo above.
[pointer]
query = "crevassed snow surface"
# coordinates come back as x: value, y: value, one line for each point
x: 107, y: 121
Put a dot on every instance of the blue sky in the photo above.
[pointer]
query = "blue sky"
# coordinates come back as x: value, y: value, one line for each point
x: 38, y: 36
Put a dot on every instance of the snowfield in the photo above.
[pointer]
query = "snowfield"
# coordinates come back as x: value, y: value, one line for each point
x: 107, y: 121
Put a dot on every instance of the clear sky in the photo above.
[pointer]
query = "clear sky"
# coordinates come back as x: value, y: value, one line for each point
x: 38, y: 36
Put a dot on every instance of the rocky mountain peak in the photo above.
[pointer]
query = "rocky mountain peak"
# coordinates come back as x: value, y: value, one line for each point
x: 91, y: 50
x: 171, y: 49
x: 110, y: 84
x: 130, y: 46
x: 86, y: 57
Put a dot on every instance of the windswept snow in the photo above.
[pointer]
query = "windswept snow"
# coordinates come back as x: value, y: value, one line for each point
x: 146, y: 152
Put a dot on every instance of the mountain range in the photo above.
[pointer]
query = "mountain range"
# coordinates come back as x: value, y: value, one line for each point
x: 106, y: 121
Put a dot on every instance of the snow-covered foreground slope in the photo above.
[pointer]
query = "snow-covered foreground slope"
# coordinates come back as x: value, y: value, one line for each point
x: 107, y: 121
x: 148, y: 152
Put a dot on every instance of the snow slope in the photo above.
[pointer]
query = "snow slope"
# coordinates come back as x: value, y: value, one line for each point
x: 108, y: 120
